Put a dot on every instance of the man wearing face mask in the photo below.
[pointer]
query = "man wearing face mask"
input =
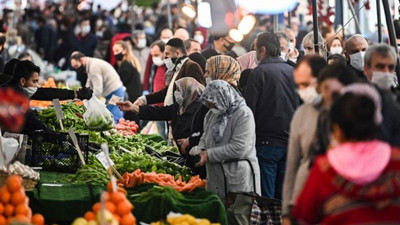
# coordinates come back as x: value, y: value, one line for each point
x: 85, y: 42
x: 355, y: 48
x: 379, y: 68
x: 285, y: 48
x: 305, y: 76
x: 294, y: 54
x: 181, y: 66
x: 140, y: 49
x: 271, y: 95
x: 155, y: 81
x: 222, y: 45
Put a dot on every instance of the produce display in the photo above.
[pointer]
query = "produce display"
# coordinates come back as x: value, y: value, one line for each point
x: 184, y: 219
x: 14, y: 205
x: 72, y: 118
x: 126, y: 127
x: 137, y: 178
x: 18, y: 168
x: 94, y: 172
x: 50, y: 83
x: 118, y: 210
x: 100, y: 123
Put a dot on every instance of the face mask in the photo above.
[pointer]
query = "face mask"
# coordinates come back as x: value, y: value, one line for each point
x: 357, y: 60
x: 30, y: 91
x: 337, y: 50
x: 291, y: 46
x: 141, y: 43
x: 80, y: 70
x: 283, y: 56
x: 178, y: 98
x: 119, y: 56
x: 215, y: 111
x: 85, y: 29
x: 157, y: 61
x: 382, y: 79
x: 2, y: 40
x: 99, y: 34
x: 230, y: 46
x: 255, y: 57
x: 165, y: 40
x: 169, y: 64
x: 308, y: 95
x: 208, y: 80
x: 199, y: 38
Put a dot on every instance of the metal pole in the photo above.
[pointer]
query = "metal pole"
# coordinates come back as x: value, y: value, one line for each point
x: 342, y: 17
x: 289, y: 19
x: 355, y: 17
x: 275, y: 23
x: 169, y: 15
x: 392, y: 37
x: 315, y: 26
x: 378, y: 14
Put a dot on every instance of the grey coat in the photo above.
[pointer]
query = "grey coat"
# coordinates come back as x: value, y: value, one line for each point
x: 238, y: 143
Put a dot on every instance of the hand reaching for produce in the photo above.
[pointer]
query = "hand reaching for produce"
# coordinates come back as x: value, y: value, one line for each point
x: 128, y: 106
x: 203, y: 158
x: 184, y: 143
x: 139, y: 102
x: 84, y: 93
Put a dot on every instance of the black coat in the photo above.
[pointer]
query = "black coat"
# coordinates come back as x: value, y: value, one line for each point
x: 271, y: 95
x: 130, y: 77
x: 389, y: 131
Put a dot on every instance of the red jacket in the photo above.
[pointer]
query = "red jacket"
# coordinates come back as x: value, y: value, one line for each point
x: 328, y: 198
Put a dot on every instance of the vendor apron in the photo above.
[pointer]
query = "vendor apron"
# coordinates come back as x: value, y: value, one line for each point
x: 117, y: 113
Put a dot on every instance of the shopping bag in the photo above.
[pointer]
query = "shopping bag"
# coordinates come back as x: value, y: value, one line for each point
x: 97, y: 116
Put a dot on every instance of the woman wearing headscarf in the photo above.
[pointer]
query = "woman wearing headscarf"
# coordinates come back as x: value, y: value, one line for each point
x: 229, y: 133
x: 223, y: 67
x: 181, y: 113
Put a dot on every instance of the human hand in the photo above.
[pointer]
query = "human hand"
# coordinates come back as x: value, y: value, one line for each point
x: 139, y: 102
x: 84, y: 93
x: 184, y: 143
x: 128, y: 106
x: 203, y: 158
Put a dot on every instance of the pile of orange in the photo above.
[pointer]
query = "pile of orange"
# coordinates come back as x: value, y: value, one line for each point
x: 117, y: 204
x: 14, y: 205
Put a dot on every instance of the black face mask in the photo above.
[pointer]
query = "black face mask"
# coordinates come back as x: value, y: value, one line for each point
x: 80, y: 70
x: 230, y: 46
x: 2, y: 40
x: 119, y: 56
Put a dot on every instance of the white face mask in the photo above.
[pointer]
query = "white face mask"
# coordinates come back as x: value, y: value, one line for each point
x: 337, y: 50
x: 208, y: 80
x: 141, y: 43
x: 30, y: 91
x: 383, y: 80
x: 199, y: 38
x: 283, y: 55
x: 158, y: 61
x: 165, y: 40
x: 85, y: 29
x: 178, y: 98
x: 215, y: 111
x: 291, y: 46
x: 357, y: 60
x: 169, y: 64
x: 308, y: 94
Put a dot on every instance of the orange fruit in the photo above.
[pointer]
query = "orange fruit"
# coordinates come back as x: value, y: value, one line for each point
x: 5, y: 196
x: 111, y: 207
x: 89, y: 216
x: 8, y: 210
x: 124, y: 208
x: 128, y: 219
x: 2, y: 220
x: 38, y: 219
x: 96, y: 207
x: 21, y: 218
x: 14, y: 183
x: 117, y: 217
x: 122, y: 190
x: 117, y: 197
x: 1, y: 208
x: 22, y: 209
x: 9, y: 220
x: 17, y: 198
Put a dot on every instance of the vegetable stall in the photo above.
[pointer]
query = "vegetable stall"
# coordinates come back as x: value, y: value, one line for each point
x: 74, y: 176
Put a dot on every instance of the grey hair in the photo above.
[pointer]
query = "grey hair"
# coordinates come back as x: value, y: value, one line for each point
x: 282, y: 35
x: 383, y: 50
x: 321, y: 43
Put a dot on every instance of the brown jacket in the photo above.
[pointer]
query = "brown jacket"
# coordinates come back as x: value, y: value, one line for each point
x: 188, y: 69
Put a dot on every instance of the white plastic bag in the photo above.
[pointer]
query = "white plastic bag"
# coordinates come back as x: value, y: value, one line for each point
x: 97, y: 116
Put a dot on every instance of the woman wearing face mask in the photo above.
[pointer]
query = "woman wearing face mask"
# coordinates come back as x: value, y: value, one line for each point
x: 309, y: 133
x: 335, y: 46
x: 128, y: 73
x: 229, y: 133
x: 356, y: 181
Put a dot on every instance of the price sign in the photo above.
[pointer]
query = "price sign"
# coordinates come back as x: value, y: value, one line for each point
x: 59, y: 112
x: 104, y: 161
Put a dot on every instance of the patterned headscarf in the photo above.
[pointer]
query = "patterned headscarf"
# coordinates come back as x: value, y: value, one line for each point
x: 226, y: 99
x: 223, y: 67
x: 190, y: 90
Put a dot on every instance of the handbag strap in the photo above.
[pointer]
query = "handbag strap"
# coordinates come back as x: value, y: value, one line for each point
x: 233, y: 161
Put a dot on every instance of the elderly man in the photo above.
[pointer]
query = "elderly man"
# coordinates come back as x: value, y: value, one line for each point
x: 355, y: 48
x: 182, y: 34
x: 191, y: 46
x: 166, y: 35
x: 285, y: 47
x: 222, y: 45
x: 294, y: 54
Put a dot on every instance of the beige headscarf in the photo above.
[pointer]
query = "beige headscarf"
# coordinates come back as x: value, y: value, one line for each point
x: 223, y: 67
